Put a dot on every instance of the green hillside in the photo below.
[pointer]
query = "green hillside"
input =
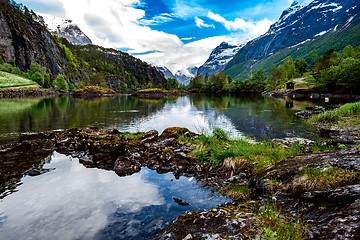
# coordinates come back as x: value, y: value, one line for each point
x: 333, y: 40
x: 10, y: 80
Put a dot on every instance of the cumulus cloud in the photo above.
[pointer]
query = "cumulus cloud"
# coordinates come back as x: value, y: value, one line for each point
x: 200, y: 23
x: 187, y: 55
x: 249, y: 27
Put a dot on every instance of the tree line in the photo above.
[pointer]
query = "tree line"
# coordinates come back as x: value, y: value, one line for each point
x: 330, y: 72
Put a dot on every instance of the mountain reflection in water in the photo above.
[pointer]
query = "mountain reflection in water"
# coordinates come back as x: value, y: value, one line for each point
x: 256, y: 117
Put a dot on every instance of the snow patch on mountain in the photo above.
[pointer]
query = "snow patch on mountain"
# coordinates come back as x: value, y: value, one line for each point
x: 65, y: 28
x: 219, y: 57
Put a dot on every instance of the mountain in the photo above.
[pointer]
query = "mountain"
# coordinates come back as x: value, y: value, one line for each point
x: 24, y: 40
x: 167, y: 73
x: 66, y: 28
x: 306, y: 25
x: 219, y: 57
x: 182, y: 76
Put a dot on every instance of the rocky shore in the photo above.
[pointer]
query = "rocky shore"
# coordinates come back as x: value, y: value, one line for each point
x: 328, y: 207
x: 301, y: 94
x: 19, y: 92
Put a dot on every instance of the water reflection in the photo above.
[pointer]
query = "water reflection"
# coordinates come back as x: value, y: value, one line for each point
x: 72, y: 202
x: 258, y: 117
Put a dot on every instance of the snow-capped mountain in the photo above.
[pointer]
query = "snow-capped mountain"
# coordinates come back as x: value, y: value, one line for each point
x: 219, y: 57
x: 167, y: 73
x: 66, y: 28
x: 301, y: 23
x: 183, y: 76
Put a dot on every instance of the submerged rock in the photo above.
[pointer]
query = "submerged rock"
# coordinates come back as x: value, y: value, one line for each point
x: 180, y: 202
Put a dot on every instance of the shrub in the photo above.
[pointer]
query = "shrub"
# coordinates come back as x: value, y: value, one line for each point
x: 38, y: 78
x: 6, y: 67
x: 71, y: 86
x: 34, y: 74
x: 60, y: 83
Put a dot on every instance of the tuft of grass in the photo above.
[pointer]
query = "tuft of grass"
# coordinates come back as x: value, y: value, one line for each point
x: 8, y: 80
x: 272, y: 225
x: 315, y: 179
x: 237, y: 192
x: 325, y: 117
x: 347, y: 110
x: 219, y: 150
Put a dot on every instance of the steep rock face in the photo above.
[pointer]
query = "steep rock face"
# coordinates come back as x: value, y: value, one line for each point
x: 301, y: 23
x: 66, y: 28
x: 25, y: 41
x: 219, y: 57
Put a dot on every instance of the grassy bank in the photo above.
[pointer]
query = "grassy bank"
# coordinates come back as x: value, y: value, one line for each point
x: 218, y: 150
x: 346, y: 116
x: 10, y: 80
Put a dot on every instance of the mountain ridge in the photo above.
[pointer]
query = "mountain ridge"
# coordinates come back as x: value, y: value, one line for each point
x: 66, y: 28
x: 301, y: 23
x: 219, y: 57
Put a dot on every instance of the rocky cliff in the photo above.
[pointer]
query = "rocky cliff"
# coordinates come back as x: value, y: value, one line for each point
x: 25, y: 41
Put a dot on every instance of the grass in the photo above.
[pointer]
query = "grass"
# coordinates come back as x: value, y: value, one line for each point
x: 351, y: 110
x: 237, y: 192
x: 273, y: 226
x: 314, y: 179
x: 219, y: 150
x: 8, y: 80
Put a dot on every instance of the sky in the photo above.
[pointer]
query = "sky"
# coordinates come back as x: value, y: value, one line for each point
x: 172, y: 33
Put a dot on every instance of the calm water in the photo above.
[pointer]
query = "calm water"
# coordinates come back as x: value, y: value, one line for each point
x: 256, y: 117
x: 73, y: 202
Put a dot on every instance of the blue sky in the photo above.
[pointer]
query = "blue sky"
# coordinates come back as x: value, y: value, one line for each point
x: 174, y: 33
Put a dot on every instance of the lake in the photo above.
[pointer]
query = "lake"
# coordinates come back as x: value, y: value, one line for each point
x: 255, y: 117
x: 73, y: 202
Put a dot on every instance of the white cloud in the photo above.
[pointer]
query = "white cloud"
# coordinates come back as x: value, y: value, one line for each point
x: 200, y: 23
x: 156, y: 20
x: 251, y: 29
x: 187, y: 38
x: 120, y: 24
x: 187, y: 55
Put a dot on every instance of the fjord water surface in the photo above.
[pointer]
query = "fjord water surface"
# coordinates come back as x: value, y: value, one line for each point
x: 73, y: 202
x: 256, y: 117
